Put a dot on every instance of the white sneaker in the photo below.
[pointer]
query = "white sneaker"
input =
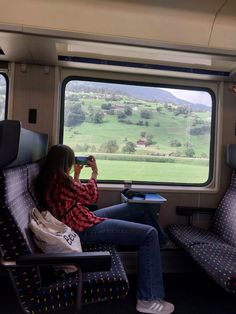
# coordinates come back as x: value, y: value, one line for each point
x: 155, y: 307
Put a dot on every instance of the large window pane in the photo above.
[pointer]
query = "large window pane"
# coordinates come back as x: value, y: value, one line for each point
x: 141, y: 133
x: 3, y: 91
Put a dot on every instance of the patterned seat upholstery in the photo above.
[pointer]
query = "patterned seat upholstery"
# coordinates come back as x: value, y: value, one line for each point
x: 33, y: 170
x: 223, y: 229
x: 34, y: 295
x: 219, y: 261
x: 186, y: 236
x: 215, y: 249
x: 224, y: 222
x: 107, y: 285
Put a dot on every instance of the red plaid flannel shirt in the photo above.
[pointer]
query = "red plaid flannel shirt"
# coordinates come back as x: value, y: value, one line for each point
x: 66, y: 199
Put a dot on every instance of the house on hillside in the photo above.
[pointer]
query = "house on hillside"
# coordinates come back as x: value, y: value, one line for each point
x: 142, y: 142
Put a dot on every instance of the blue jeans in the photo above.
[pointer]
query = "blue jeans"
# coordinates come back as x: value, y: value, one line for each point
x: 122, y: 230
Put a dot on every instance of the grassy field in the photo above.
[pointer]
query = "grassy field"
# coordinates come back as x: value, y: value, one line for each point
x: 149, y: 171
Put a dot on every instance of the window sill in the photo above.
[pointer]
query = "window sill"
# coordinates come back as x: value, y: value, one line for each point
x: 159, y: 188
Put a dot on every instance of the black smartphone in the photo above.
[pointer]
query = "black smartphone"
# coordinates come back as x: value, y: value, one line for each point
x: 81, y: 160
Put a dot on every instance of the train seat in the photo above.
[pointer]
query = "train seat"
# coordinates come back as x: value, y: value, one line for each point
x: 186, y: 236
x: 38, y: 287
x: 219, y: 261
x: 215, y: 249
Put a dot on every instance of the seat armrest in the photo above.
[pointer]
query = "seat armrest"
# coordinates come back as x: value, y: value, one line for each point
x: 190, y: 211
x: 86, y: 261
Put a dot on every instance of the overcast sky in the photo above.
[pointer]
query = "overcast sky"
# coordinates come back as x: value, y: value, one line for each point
x: 197, y: 97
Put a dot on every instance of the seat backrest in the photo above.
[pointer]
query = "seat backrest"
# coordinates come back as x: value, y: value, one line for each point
x: 15, y: 237
x: 16, y: 181
x: 17, y: 148
x: 15, y: 203
x: 224, y: 222
x: 33, y: 171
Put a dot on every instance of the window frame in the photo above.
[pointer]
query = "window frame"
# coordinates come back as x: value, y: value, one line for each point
x: 7, y: 91
x: 213, y: 131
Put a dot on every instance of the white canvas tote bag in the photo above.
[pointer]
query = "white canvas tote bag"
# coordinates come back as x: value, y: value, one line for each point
x: 53, y: 236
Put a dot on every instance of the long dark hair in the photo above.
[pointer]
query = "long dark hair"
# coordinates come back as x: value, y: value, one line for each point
x: 58, y: 161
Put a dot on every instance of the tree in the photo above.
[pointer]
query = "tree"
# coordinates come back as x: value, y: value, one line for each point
x: 205, y: 129
x: 188, y: 144
x: 111, y: 112
x: 128, y: 110
x: 185, y: 110
x: 140, y: 122
x: 146, y: 114
x: 121, y: 116
x: 175, y: 143
x: 189, y: 152
x: 149, y: 138
x: 109, y: 147
x: 106, y: 106
x: 75, y: 115
x: 97, y: 117
x: 129, y: 148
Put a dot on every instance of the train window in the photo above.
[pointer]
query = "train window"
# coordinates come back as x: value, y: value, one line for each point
x: 147, y: 134
x: 3, y: 97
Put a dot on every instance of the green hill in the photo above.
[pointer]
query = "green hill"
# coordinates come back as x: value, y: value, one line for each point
x: 171, y: 129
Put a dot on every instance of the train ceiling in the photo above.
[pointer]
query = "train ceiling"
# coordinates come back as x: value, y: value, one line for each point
x: 140, y: 35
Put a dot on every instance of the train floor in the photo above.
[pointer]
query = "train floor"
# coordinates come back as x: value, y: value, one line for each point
x: 192, y: 293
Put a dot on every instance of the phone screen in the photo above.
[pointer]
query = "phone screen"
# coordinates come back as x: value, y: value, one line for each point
x: 81, y: 160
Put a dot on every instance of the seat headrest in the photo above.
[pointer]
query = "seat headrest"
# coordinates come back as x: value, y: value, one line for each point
x: 231, y: 155
x: 19, y: 146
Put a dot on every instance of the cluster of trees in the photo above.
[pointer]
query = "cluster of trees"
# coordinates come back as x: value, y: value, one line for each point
x: 184, y: 110
x: 73, y: 88
x: 75, y: 115
x: 175, y: 143
x: 111, y: 147
x: 188, y: 151
x: 205, y: 129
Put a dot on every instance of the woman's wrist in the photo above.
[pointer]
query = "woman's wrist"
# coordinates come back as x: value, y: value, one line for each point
x: 95, y: 170
x: 76, y: 178
x: 94, y: 174
x: 76, y: 175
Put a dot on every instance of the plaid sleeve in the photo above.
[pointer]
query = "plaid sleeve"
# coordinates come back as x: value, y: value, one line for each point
x: 85, y: 193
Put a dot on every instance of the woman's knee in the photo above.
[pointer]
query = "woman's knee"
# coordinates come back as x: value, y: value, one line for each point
x: 151, y: 233
x: 150, y: 241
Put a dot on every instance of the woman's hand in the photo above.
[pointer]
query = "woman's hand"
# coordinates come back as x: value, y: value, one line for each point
x: 92, y: 163
x: 77, y: 170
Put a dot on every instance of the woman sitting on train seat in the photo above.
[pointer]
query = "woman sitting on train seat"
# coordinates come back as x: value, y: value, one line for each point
x: 66, y: 198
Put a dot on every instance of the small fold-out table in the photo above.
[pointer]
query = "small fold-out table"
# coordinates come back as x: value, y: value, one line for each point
x: 152, y: 200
